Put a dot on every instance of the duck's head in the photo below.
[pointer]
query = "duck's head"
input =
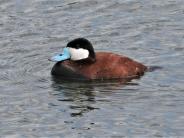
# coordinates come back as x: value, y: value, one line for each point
x: 79, y: 49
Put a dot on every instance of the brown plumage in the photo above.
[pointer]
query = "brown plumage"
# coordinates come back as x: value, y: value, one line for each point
x: 106, y: 66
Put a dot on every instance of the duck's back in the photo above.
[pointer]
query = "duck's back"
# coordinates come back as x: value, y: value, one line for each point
x: 107, y: 66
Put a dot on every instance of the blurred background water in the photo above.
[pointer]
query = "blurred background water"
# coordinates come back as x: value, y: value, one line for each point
x: 33, y: 104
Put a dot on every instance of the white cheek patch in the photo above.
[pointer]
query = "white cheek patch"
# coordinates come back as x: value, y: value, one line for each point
x: 78, y: 54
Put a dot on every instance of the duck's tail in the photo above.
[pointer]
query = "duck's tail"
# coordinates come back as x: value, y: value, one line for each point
x: 153, y: 68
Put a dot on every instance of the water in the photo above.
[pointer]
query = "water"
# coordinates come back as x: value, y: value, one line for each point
x: 33, y: 104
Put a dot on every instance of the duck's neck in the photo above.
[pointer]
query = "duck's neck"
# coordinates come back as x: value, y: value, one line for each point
x: 86, y: 61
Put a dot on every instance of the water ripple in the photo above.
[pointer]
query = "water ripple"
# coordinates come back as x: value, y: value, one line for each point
x: 33, y: 104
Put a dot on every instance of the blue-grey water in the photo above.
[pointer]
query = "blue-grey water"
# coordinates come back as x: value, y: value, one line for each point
x: 33, y: 104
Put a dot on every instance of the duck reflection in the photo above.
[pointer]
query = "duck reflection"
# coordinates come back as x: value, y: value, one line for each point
x: 83, y: 95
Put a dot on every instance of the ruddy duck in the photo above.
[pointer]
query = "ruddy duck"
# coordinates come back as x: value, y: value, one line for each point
x: 79, y: 61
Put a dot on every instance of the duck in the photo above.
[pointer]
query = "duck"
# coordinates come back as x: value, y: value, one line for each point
x: 78, y: 60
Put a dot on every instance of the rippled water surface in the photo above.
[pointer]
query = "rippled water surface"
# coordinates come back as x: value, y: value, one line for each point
x: 33, y: 104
